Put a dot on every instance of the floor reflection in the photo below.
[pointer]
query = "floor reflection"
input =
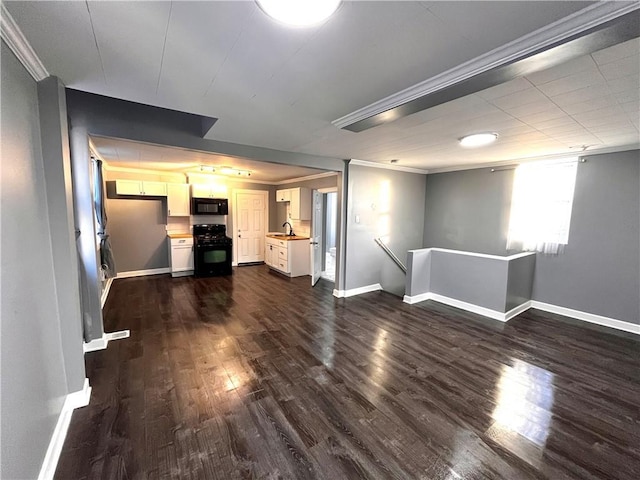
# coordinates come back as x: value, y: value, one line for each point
x: 328, y: 341
x: 524, y: 401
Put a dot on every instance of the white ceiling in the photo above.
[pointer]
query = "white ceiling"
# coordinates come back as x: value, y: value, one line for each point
x: 278, y: 87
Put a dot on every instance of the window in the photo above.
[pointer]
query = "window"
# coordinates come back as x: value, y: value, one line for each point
x: 541, y: 206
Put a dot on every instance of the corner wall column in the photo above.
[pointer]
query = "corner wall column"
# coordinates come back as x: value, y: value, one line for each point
x: 85, y: 224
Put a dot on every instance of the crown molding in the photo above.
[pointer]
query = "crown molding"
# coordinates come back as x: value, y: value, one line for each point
x: 17, y: 42
x: 514, y: 162
x: 547, y: 36
x: 306, y: 178
x: 400, y: 168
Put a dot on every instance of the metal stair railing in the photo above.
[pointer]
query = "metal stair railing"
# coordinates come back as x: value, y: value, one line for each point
x: 391, y: 254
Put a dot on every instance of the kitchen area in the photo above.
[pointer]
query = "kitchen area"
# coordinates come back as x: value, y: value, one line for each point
x: 204, y: 224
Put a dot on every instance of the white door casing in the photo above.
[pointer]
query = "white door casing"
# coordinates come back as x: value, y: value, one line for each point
x: 250, y: 215
x: 316, y: 236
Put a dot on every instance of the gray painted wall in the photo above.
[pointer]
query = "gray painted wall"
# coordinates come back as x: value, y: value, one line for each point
x: 418, y: 272
x: 599, y: 271
x: 520, y: 281
x: 57, y: 171
x: 476, y: 280
x: 468, y: 210
x: 32, y: 378
x: 137, y: 230
x: 397, y: 215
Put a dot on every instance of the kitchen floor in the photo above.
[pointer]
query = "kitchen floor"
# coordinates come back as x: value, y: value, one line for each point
x: 257, y: 375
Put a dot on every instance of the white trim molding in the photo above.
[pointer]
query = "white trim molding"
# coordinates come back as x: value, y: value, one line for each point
x: 105, y: 292
x: 20, y: 46
x: 545, y: 307
x: 306, y: 178
x: 72, y: 401
x: 474, y: 254
x: 102, y: 342
x: 556, y: 32
x: 422, y: 297
x: 144, y: 273
x: 587, y: 317
x: 387, y: 166
x: 357, y: 291
x: 469, y: 307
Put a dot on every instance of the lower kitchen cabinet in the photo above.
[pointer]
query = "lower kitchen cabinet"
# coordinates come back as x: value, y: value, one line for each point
x: 291, y: 257
x: 181, y: 253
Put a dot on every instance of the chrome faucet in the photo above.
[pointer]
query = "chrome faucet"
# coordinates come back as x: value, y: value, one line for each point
x: 291, y: 234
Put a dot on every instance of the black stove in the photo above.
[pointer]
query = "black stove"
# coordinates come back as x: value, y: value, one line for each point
x: 212, y: 250
x: 214, y: 234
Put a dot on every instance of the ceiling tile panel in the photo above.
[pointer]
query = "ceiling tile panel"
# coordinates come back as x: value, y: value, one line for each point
x: 572, y: 82
x: 630, y: 48
x: 572, y: 67
x: 132, y: 57
x: 518, y: 99
x: 621, y: 68
x: 199, y: 38
x: 69, y: 52
x: 516, y: 85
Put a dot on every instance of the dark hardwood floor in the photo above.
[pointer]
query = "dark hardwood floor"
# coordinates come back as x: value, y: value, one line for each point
x: 260, y: 376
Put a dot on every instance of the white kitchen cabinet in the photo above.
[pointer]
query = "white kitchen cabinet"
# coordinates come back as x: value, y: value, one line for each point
x: 300, y: 202
x: 178, y: 200
x: 204, y: 190
x: 181, y: 256
x: 283, y: 195
x: 141, y: 187
x: 291, y: 257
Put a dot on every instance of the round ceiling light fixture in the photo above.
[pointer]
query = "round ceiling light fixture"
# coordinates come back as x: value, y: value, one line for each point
x: 478, y: 139
x: 299, y: 13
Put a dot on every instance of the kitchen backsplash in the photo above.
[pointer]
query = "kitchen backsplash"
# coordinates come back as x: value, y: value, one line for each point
x: 183, y: 224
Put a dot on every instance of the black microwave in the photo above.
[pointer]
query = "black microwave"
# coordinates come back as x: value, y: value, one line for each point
x: 209, y: 206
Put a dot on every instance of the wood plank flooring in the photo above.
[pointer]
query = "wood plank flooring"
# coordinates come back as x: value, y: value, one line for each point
x: 261, y: 376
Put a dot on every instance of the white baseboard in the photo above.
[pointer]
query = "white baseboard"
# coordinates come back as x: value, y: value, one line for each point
x: 102, y: 342
x: 357, y: 291
x: 72, y: 401
x: 514, y: 312
x: 184, y: 273
x: 144, y: 273
x: 416, y: 298
x: 105, y: 292
x: 546, y: 307
x: 470, y: 307
x: 587, y: 317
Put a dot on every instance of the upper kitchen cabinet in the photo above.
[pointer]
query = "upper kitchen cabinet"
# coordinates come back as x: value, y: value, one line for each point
x: 140, y: 187
x: 208, y: 190
x: 283, y: 195
x: 178, y: 200
x: 300, y: 202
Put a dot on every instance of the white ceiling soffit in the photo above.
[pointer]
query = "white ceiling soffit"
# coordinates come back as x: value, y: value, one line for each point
x: 587, y: 31
x: 127, y: 155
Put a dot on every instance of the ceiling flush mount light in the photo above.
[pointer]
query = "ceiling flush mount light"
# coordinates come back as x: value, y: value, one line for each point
x: 299, y: 13
x: 478, y: 139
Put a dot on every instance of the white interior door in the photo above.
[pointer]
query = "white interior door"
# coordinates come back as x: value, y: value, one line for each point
x: 250, y: 219
x: 316, y: 237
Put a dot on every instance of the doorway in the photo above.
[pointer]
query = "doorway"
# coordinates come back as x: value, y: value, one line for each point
x: 324, y: 234
x: 250, y: 214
